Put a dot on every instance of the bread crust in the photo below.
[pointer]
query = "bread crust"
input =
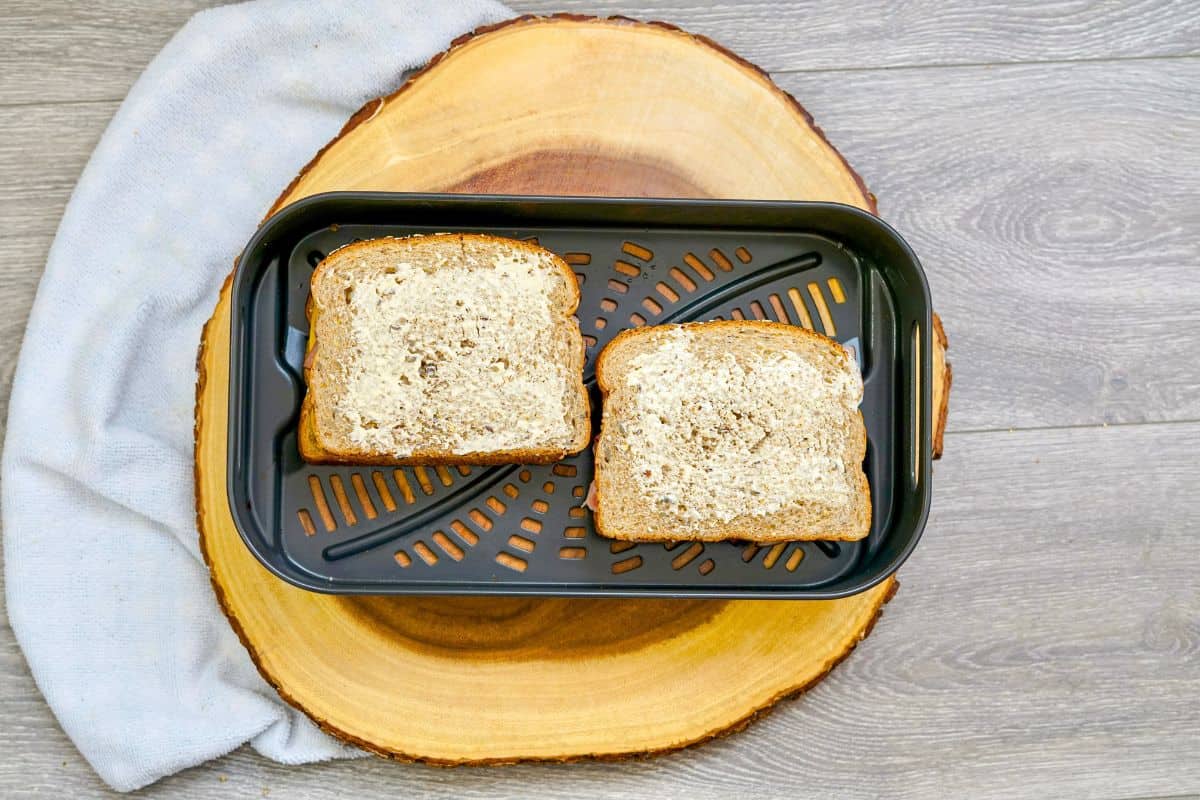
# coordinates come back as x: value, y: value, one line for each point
x: 316, y: 451
x: 747, y: 532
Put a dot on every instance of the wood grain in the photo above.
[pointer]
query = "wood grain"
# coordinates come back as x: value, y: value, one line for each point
x: 64, y: 50
x: 1062, y: 668
x: 519, y: 679
x: 765, y: 147
x: 936, y: 740
x: 1052, y: 243
x: 861, y: 34
x: 40, y: 168
x: 1060, y: 244
x: 67, y: 51
x: 42, y: 152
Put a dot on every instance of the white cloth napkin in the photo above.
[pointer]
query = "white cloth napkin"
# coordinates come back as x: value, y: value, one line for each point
x: 106, y: 591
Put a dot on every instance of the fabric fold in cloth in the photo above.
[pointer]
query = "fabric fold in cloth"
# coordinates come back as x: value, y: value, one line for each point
x: 105, y: 589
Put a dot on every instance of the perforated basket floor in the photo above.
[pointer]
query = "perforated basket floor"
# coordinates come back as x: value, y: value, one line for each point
x: 523, y: 529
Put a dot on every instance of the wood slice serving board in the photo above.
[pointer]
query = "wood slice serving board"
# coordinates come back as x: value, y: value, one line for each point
x: 561, y: 105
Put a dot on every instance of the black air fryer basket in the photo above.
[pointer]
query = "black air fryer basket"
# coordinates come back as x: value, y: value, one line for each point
x: 523, y: 529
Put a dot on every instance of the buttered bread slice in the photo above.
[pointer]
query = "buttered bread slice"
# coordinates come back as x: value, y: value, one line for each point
x: 730, y: 430
x: 443, y: 349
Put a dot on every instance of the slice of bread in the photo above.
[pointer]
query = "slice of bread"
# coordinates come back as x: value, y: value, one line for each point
x: 730, y: 430
x: 443, y: 349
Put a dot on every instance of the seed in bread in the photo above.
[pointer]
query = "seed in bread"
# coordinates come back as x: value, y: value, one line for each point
x: 443, y: 349
x: 730, y: 430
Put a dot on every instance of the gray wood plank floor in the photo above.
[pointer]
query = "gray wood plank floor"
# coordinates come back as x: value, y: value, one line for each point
x: 108, y: 42
x: 1043, y: 159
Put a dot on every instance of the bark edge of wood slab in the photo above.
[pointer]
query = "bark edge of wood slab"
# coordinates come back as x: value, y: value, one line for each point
x: 372, y: 108
x: 368, y: 670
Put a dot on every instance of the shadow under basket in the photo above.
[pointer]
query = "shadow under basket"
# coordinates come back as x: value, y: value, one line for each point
x: 522, y: 529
